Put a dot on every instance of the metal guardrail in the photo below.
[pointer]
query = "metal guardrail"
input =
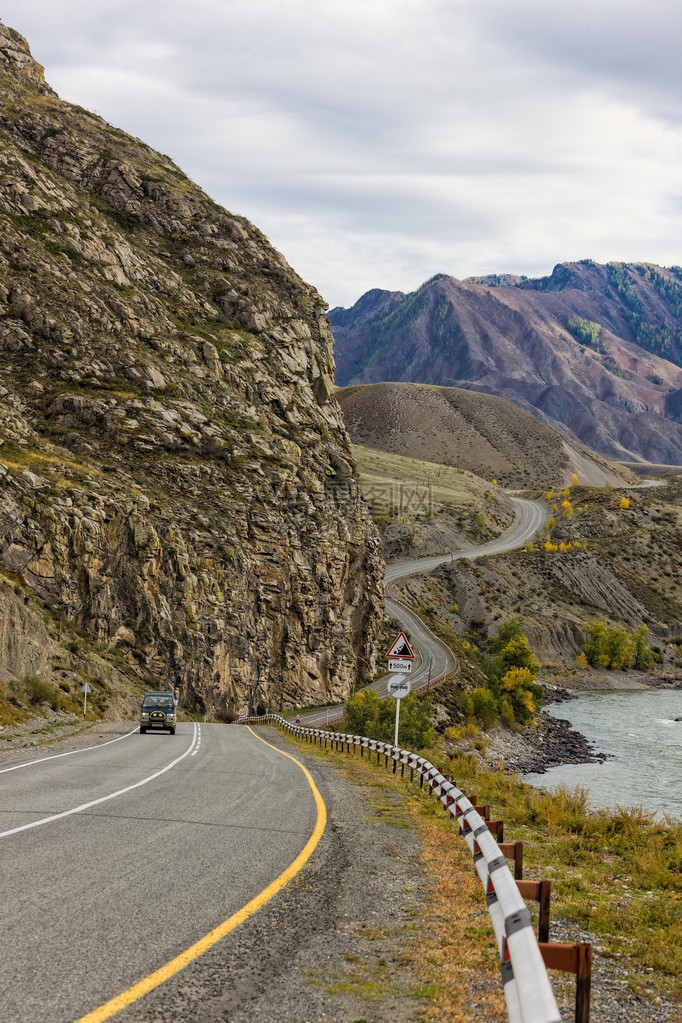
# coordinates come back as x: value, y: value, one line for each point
x: 527, y: 989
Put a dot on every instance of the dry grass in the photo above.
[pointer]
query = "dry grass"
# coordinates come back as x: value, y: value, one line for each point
x: 479, y: 432
x: 616, y: 875
x: 449, y: 487
x: 459, y: 952
x: 452, y: 949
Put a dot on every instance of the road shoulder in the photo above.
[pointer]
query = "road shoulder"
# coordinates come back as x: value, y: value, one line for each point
x: 333, y: 944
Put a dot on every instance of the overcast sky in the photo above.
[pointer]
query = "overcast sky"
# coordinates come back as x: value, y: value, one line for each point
x: 378, y: 142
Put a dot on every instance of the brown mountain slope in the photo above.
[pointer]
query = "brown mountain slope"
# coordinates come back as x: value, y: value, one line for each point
x: 176, y: 481
x: 593, y: 350
x: 486, y: 435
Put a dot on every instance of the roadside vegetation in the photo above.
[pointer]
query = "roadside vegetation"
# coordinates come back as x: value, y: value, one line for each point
x: 615, y: 874
x: 366, y: 714
x: 38, y: 702
x: 616, y: 881
x: 24, y: 697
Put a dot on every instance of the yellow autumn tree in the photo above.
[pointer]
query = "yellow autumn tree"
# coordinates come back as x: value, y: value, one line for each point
x: 624, y: 503
x: 524, y: 693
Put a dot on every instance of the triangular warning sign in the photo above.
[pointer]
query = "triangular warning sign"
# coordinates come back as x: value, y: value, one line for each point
x: 401, y: 648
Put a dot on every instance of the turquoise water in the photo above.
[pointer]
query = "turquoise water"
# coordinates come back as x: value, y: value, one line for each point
x: 638, y: 730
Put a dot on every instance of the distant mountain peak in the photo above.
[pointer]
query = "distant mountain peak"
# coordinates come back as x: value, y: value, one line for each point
x: 594, y: 349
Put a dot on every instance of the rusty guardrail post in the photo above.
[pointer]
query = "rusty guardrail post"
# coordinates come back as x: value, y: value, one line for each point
x: 513, y: 851
x: 540, y: 892
x: 574, y: 958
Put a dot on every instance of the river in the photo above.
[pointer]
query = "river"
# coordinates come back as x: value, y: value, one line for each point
x: 637, y: 729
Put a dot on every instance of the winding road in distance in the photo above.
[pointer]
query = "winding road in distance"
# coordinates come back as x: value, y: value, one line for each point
x: 436, y: 658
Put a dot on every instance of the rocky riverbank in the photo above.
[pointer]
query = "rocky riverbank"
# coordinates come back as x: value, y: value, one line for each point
x: 553, y: 741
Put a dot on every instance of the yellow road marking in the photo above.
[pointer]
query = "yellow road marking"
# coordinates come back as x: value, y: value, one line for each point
x: 148, y: 984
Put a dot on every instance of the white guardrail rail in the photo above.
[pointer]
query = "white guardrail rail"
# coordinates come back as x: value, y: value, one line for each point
x: 527, y: 988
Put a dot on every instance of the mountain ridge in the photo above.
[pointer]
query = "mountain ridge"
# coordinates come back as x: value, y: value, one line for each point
x: 478, y: 432
x: 595, y: 350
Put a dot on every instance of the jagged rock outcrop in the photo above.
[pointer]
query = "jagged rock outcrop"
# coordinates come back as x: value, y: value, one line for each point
x: 175, y: 474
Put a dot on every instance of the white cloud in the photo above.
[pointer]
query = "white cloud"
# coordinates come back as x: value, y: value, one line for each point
x: 379, y: 143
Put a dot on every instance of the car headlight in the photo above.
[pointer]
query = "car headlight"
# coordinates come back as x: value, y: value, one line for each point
x: 144, y: 714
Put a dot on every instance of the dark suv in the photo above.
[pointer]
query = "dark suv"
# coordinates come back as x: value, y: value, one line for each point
x: 157, y: 710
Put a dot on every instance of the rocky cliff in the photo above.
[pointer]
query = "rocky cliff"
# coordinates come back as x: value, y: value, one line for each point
x: 595, y: 351
x: 176, y: 480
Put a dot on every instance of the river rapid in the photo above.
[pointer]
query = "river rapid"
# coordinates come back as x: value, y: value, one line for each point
x: 638, y: 732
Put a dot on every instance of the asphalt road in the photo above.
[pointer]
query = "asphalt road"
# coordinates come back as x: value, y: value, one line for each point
x: 93, y: 901
x: 435, y: 659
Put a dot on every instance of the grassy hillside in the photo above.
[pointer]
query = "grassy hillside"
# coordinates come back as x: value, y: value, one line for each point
x: 426, y: 507
x: 486, y: 435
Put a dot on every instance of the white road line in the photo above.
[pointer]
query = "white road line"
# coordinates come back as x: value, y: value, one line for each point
x: 103, y: 799
x: 55, y: 756
x: 196, y: 749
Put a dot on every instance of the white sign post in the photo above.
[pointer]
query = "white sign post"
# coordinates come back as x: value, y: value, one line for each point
x: 398, y: 686
x: 85, y: 689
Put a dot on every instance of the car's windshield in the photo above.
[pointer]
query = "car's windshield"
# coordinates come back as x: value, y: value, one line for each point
x: 158, y: 701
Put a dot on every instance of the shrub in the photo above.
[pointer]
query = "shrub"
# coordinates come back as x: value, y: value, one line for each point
x: 522, y: 692
x: 610, y: 647
x: 485, y: 706
x: 506, y: 710
x: 514, y: 654
x: 512, y: 672
x: 644, y: 656
x: 37, y: 691
x: 367, y: 715
x: 510, y: 629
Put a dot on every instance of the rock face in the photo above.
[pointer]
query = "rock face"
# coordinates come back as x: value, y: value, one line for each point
x: 176, y: 476
x: 593, y: 350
